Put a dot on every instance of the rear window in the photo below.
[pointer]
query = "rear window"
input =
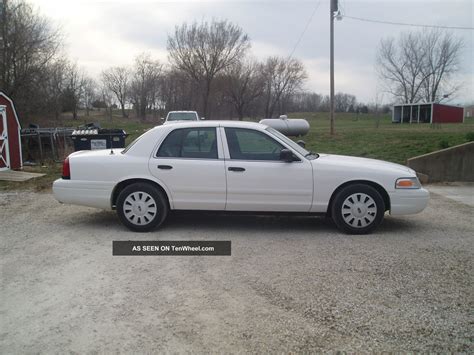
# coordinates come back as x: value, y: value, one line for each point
x: 199, y: 143
x: 182, y: 116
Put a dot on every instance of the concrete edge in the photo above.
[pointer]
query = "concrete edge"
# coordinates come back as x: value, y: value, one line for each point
x: 439, y: 151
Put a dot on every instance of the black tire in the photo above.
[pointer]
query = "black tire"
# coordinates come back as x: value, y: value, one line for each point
x: 358, y: 216
x: 144, y: 219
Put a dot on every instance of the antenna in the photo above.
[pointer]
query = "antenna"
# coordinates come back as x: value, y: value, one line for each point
x: 111, y: 143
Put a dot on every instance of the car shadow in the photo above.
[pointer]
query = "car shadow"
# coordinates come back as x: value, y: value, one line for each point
x: 186, y: 221
x: 244, y: 222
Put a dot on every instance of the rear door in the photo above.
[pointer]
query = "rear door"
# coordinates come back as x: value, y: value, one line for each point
x: 190, y: 163
x: 257, y: 180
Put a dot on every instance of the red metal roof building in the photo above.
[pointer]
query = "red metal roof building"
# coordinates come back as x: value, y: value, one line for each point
x: 427, y: 113
x: 10, y: 143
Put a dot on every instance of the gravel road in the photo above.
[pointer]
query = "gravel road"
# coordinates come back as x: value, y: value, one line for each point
x: 291, y: 285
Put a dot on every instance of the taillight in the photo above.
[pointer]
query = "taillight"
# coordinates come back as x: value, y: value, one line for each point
x: 66, y: 169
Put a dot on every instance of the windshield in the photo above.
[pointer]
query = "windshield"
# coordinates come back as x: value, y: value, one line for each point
x: 181, y: 116
x: 291, y: 143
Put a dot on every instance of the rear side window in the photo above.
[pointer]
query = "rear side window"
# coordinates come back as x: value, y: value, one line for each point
x: 200, y: 143
x: 249, y: 144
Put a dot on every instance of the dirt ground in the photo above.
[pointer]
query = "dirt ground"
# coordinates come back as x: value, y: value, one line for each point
x: 291, y: 284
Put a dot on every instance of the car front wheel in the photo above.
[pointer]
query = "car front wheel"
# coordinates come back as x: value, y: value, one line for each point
x: 358, y: 209
x: 141, y: 207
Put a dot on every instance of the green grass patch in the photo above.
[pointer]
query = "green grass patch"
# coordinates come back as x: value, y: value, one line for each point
x: 366, y: 136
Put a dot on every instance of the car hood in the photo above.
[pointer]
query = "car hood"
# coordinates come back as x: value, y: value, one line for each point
x: 362, y: 164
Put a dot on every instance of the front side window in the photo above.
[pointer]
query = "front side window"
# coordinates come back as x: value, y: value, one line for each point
x: 248, y: 144
x: 198, y: 143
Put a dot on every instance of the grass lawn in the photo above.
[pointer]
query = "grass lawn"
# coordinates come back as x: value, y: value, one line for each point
x: 357, y: 135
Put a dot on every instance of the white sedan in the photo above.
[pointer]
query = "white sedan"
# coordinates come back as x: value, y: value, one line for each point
x: 235, y: 166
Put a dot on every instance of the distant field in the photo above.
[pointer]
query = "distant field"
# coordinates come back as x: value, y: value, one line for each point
x: 356, y: 135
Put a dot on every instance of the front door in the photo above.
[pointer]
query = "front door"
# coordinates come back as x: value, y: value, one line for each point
x: 191, y: 165
x: 257, y: 180
x: 4, y: 149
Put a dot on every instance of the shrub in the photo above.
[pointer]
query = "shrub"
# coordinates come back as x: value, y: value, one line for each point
x: 470, y: 136
x: 443, y: 144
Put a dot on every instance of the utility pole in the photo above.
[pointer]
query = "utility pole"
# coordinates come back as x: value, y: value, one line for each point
x: 333, y: 8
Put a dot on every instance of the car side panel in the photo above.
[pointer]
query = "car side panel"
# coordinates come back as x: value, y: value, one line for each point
x: 93, y: 178
x: 327, y: 178
x: 195, y: 184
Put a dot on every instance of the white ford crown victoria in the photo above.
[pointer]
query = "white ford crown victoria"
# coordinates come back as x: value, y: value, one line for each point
x: 235, y: 166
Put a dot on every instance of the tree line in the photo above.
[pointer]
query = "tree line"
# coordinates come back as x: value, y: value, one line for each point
x: 210, y: 69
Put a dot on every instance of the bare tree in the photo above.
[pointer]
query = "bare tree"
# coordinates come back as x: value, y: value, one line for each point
x: 283, y: 77
x: 414, y: 67
x: 177, y: 91
x: 27, y: 44
x: 74, y: 88
x: 53, y: 86
x: 344, y: 102
x: 244, y: 84
x: 305, y: 102
x: 441, y: 61
x: 90, y: 94
x: 116, y: 79
x: 106, y: 100
x: 145, y: 84
x: 204, y: 50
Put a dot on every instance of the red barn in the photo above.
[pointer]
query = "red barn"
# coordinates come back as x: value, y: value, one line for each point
x: 10, y: 143
x: 427, y: 113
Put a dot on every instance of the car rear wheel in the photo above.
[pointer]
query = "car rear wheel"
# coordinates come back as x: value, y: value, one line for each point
x: 358, y: 209
x: 141, y: 207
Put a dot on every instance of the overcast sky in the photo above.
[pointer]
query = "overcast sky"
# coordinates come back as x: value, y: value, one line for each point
x: 104, y: 33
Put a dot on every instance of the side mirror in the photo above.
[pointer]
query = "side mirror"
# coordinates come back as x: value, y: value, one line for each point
x: 287, y: 155
x: 203, y: 118
x: 162, y: 118
x: 301, y: 143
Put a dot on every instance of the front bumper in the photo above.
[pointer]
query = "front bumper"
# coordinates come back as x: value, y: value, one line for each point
x: 403, y: 202
x: 85, y: 193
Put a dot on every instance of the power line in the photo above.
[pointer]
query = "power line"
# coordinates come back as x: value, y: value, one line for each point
x: 305, y: 29
x: 408, y: 24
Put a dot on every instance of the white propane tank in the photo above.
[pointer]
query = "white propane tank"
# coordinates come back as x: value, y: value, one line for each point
x: 288, y: 126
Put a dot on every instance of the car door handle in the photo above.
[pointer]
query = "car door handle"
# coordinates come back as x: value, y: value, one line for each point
x: 165, y: 167
x: 234, y: 168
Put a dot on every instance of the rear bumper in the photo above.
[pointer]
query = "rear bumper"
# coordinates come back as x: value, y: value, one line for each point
x: 84, y: 193
x: 403, y: 202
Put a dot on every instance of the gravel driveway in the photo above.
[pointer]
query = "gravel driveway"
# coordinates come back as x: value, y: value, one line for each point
x: 291, y: 284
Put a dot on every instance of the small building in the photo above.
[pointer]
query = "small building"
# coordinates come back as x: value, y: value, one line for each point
x: 427, y: 113
x: 10, y: 143
x: 469, y: 111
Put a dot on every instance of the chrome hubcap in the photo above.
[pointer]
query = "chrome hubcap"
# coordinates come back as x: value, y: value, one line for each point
x: 139, y: 208
x: 359, y: 210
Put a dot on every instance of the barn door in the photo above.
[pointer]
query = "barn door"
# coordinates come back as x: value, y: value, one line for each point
x: 4, y: 149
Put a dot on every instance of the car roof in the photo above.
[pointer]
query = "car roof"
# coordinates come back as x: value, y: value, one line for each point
x: 223, y: 123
